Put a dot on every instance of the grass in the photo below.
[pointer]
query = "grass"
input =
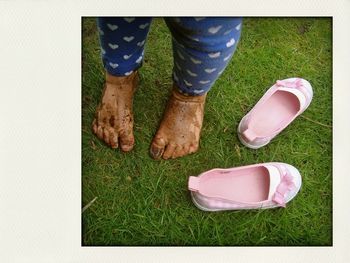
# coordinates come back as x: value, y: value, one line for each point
x: 140, y: 201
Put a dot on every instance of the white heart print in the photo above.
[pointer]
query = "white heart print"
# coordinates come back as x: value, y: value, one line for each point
x: 195, y: 61
x: 199, y: 18
x: 175, y: 77
x: 204, y: 81
x: 112, y: 27
x: 128, y: 73
x: 210, y: 70
x: 198, y: 91
x: 180, y: 55
x: 191, y: 73
x: 126, y: 57
x: 194, y: 38
x: 113, y: 46
x: 188, y: 83
x: 226, y: 58
x: 128, y: 39
x: 140, y: 44
x: 214, y: 30
x: 129, y: 19
x: 139, y: 60
x: 178, y: 66
x: 230, y: 43
x: 238, y: 27
x: 113, y: 65
x: 143, y: 26
x: 100, y: 31
x: 214, y: 55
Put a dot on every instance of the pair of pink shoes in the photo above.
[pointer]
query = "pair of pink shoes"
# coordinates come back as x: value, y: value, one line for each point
x: 265, y: 185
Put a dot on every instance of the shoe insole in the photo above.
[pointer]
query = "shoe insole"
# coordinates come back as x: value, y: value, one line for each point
x: 279, y: 108
x: 242, y: 185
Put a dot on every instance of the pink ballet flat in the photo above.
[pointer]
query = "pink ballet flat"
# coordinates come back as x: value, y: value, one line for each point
x: 279, y: 106
x: 258, y: 186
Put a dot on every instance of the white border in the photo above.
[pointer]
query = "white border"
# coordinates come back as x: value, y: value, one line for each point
x: 40, y: 141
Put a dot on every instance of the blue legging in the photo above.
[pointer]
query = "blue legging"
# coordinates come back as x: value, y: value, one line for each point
x: 202, y: 47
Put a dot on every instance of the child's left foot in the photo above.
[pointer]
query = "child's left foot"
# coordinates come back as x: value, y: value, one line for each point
x: 179, y: 131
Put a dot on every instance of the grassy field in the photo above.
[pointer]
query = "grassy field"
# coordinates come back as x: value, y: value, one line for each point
x: 140, y: 201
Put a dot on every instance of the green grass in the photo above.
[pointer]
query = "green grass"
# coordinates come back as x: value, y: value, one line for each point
x: 145, y: 202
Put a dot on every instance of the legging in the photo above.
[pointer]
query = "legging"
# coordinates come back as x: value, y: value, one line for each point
x: 202, y: 47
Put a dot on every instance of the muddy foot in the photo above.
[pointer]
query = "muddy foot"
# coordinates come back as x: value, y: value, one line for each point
x: 179, y: 131
x: 114, y: 118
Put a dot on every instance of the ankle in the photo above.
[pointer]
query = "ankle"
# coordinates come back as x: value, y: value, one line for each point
x: 119, y: 80
x: 188, y: 98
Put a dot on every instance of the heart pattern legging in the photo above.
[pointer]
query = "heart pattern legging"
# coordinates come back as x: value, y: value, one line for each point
x: 202, y: 47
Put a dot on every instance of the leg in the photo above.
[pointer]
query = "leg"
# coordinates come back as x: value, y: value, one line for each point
x: 122, y: 47
x: 202, y: 48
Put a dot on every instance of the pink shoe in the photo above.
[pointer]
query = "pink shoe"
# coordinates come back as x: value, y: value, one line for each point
x: 279, y: 106
x: 258, y: 186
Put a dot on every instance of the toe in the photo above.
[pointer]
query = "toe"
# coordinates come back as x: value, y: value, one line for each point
x: 113, y: 138
x: 94, y: 126
x: 186, y: 149
x: 178, y: 152
x: 157, y: 147
x: 106, y: 135
x: 170, y: 148
x: 100, y: 132
x: 193, y: 148
x: 126, y: 142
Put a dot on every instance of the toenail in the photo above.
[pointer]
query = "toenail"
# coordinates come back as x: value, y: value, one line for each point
x: 156, y: 152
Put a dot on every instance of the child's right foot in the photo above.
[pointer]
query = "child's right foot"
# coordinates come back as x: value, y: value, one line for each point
x: 114, y: 118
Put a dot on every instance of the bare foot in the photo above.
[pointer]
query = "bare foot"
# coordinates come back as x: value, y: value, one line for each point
x: 179, y: 131
x: 114, y: 118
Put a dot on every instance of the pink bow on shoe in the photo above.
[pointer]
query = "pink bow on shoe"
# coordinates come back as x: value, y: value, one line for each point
x: 289, y: 84
x: 284, y: 187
